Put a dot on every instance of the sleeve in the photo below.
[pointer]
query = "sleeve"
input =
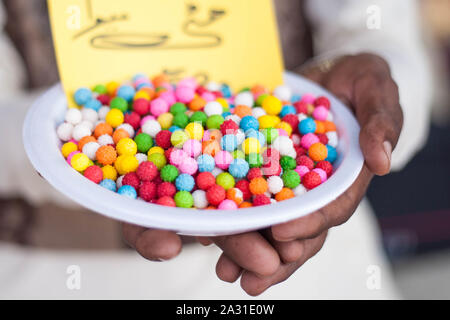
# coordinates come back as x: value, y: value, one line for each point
x: 392, y: 30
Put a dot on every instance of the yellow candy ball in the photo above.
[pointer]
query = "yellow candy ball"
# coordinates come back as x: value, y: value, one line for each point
x: 111, y: 87
x: 114, y: 118
x: 126, y: 146
x: 285, y: 126
x: 223, y: 102
x: 118, y: 164
x: 178, y: 138
x: 80, y: 162
x: 195, y: 130
x: 68, y: 148
x: 141, y: 95
x: 109, y: 172
x: 251, y: 145
x: 165, y: 120
x: 272, y: 105
x: 128, y: 164
x: 268, y: 121
x: 155, y: 150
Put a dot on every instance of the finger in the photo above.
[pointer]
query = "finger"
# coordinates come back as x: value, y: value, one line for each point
x: 131, y: 233
x: 227, y: 270
x: 250, y: 251
x: 381, y: 119
x: 288, y: 251
x: 255, y: 285
x: 158, y: 245
x: 204, y: 241
x: 335, y: 213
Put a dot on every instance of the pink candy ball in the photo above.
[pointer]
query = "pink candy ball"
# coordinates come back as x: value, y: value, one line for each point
x: 177, y: 156
x: 188, y: 166
x: 193, y: 148
x: 228, y: 205
x: 301, y: 170
x: 320, y: 113
x: 159, y: 106
x: 184, y: 94
x: 188, y: 82
x: 140, y: 81
x: 308, y: 98
x: 223, y: 159
x: 169, y: 97
x: 208, y: 96
x: 308, y: 140
x: 146, y: 118
x: 296, y: 139
x: 321, y: 173
x: 282, y: 132
x: 69, y: 157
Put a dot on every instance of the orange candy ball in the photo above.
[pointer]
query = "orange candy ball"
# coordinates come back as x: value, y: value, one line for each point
x: 120, y: 134
x: 106, y: 155
x: 103, y: 128
x: 197, y: 104
x: 318, y: 152
x: 235, y: 195
x: 258, y: 185
x: 85, y: 140
x: 329, y: 126
x: 211, y: 147
x: 284, y: 194
x: 242, y: 111
x: 245, y: 204
x: 320, y: 126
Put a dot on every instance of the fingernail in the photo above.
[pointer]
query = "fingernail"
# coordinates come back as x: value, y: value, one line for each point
x: 388, y: 150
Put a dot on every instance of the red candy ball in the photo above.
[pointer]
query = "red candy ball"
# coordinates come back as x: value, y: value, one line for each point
x: 162, y: 139
x: 166, y: 189
x: 322, y: 138
x: 131, y: 179
x: 305, y: 161
x: 322, y: 101
x: 228, y: 127
x: 311, y: 180
x: 300, y: 151
x: 254, y: 173
x: 271, y: 154
x: 271, y: 169
x: 292, y: 119
x: 94, y: 173
x: 301, y: 106
x: 167, y: 152
x: 261, y: 200
x: 244, y: 186
x: 325, y: 166
x: 104, y: 99
x: 215, y: 195
x: 141, y: 106
x: 205, y: 180
x: 147, y: 191
x: 147, y: 171
x: 133, y: 119
x: 166, y: 201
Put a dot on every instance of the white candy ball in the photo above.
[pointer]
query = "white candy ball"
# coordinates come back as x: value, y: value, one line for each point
x: 89, y: 114
x: 330, y: 116
x: 105, y: 139
x: 244, y: 98
x: 292, y: 153
x: 216, y: 171
x: 333, y: 139
x: 258, y: 112
x: 151, y: 127
x: 64, y: 131
x: 284, y: 145
x: 102, y: 112
x: 88, y: 124
x: 296, y: 139
x: 272, y: 201
x: 301, y: 117
x: 213, y: 108
x: 73, y: 116
x: 275, y: 184
x: 234, y: 117
x: 90, y: 149
x: 98, y: 122
x: 119, y: 182
x: 141, y: 157
x: 128, y: 128
x: 299, y: 190
x: 80, y: 131
x: 283, y: 93
x: 213, y: 86
x: 240, y: 136
x: 200, y: 201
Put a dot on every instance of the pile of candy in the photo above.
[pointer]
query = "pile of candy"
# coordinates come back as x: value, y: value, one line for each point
x: 188, y: 145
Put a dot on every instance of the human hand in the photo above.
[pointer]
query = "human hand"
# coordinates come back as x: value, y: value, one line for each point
x: 262, y: 259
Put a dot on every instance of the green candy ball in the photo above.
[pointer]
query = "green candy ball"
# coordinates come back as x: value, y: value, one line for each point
x: 270, y: 134
x: 288, y: 163
x: 144, y: 142
x: 225, y: 180
x: 238, y: 154
x: 169, y: 173
x: 119, y: 103
x: 291, y: 179
x: 158, y: 159
x: 100, y: 89
x: 184, y: 199
x: 255, y: 160
x: 199, y: 116
x: 177, y: 108
x: 180, y: 120
x: 214, y: 122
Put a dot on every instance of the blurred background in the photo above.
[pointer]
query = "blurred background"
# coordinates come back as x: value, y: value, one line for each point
x: 412, y: 206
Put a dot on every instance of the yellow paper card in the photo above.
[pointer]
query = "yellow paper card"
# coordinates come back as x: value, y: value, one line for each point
x: 230, y: 41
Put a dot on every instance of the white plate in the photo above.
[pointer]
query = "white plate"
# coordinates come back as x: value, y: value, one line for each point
x: 42, y: 147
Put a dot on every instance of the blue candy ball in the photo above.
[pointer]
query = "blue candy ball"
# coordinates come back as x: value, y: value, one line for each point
x: 126, y: 92
x: 229, y: 142
x: 127, y: 191
x: 249, y: 122
x: 144, y: 85
x: 287, y: 109
x: 332, y: 154
x: 238, y: 168
x: 82, y: 96
x: 226, y: 114
x: 185, y: 182
x: 109, y: 184
x: 93, y: 104
x: 205, y: 163
x: 174, y: 128
x: 307, y: 126
x: 295, y: 98
x: 226, y: 91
